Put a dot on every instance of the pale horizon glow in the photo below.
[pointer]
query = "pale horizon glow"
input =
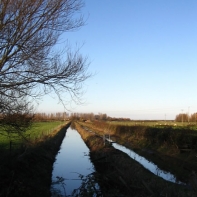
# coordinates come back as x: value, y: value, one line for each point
x: 144, y: 56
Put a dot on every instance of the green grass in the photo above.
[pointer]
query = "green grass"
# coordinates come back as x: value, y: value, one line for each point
x: 42, y: 128
x: 38, y: 130
x: 158, y: 123
x: 26, y: 171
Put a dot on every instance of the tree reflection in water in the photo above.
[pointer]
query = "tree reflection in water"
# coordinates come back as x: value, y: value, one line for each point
x: 88, y: 188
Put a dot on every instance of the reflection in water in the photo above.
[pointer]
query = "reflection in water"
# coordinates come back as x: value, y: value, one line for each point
x: 72, y: 163
x: 147, y: 164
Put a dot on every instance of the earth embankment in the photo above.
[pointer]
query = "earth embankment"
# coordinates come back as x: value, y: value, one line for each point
x: 29, y: 173
x: 173, y: 149
x: 119, y: 175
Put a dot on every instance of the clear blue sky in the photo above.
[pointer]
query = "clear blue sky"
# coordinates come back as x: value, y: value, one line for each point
x: 144, y: 54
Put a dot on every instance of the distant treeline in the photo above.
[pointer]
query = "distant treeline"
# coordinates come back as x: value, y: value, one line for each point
x: 62, y: 116
x: 182, y: 117
x: 185, y: 117
x: 92, y: 116
x: 51, y: 116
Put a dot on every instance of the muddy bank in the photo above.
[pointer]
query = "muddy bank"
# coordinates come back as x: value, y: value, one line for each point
x: 29, y: 174
x: 119, y: 175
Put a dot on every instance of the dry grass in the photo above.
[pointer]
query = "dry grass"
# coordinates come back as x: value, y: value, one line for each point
x: 119, y: 175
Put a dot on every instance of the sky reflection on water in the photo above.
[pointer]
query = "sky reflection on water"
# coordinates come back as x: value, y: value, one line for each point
x: 71, y: 161
x: 148, y: 165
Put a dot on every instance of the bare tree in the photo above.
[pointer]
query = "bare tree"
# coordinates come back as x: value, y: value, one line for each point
x: 29, y: 68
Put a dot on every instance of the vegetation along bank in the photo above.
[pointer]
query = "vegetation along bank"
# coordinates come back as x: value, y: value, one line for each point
x: 119, y: 175
x: 173, y: 149
x: 26, y: 171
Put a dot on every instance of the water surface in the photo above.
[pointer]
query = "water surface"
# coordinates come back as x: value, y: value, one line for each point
x: 71, y: 162
x: 148, y: 164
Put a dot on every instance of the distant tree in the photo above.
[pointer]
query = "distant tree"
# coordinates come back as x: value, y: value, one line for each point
x: 91, y: 116
x: 182, y: 117
x: 29, y: 65
x: 193, y: 117
x: 87, y: 116
x: 104, y: 116
x: 38, y: 117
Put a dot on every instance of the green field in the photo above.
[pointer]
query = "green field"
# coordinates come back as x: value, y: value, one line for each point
x: 42, y: 128
x: 37, y: 131
x: 158, y: 123
x: 156, y: 134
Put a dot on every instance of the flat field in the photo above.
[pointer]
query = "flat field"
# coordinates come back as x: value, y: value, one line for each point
x: 155, y: 123
x: 37, y: 131
x: 25, y: 170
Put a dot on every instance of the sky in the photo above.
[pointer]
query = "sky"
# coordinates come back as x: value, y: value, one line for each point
x: 143, y: 56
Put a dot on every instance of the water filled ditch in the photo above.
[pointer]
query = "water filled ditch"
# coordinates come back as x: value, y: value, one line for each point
x: 143, y: 161
x: 148, y: 164
x: 72, y: 161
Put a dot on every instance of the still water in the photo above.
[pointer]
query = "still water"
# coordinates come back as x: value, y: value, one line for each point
x: 143, y: 161
x: 147, y: 164
x: 71, y: 162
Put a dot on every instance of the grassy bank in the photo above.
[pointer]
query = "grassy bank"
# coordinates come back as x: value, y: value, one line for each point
x: 27, y: 171
x: 173, y: 149
x: 178, y: 137
x: 36, y: 132
x: 119, y: 175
